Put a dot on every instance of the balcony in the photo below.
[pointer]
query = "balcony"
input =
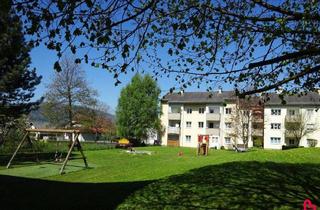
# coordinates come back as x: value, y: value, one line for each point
x: 173, y: 130
x: 257, y: 119
x: 257, y: 132
x: 213, y: 131
x: 293, y: 118
x: 174, y: 116
x: 290, y: 134
x: 212, y: 117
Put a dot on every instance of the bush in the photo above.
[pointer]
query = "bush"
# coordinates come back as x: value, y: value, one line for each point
x: 222, y: 148
x: 312, y: 142
x: 284, y: 147
x: 257, y: 141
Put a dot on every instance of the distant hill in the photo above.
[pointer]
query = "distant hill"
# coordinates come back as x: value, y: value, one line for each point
x: 40, y: 121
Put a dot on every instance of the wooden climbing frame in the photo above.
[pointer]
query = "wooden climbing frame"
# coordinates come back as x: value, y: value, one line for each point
x: 75, y: 142
x: 203, y: 144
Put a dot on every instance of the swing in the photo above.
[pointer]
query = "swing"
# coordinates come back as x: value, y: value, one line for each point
x: 57, y: 156
x: 74, y: 141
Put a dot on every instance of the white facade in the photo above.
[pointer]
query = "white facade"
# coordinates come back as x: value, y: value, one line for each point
x: 185, y: 116
x: 186, y: 121
x: 277, y: 115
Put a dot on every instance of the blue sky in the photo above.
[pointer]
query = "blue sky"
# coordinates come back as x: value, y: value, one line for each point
x: 99, y: 79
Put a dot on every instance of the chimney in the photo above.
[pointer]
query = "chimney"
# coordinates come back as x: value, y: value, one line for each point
x: 279, y: 90
x: 220, y: 90
x: 181, y: 92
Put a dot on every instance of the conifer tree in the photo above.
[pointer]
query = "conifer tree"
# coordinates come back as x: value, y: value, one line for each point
x: 17, y: 80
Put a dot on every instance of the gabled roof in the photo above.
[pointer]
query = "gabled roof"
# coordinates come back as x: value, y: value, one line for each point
x: 199, y: 97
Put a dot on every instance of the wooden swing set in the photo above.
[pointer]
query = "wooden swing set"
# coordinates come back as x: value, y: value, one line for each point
x: 75, y: 142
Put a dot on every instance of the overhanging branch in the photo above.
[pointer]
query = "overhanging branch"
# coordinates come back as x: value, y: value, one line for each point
x: 278, y: 84
x: 288, y: 56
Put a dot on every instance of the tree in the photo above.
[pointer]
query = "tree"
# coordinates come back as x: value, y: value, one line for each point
x: 296, y: 127
x: 138, y: 108
x: 17, y: 80
x: 67, y: 91
x: 241, y: 119
x: 255, y: 44
x: 96, y: 119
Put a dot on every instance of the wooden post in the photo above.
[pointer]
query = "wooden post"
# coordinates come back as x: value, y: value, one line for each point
x: 20, y: 144
x: 82, y: 154
x: 68, y: 155
x: 207, y: 149
x: 198, y: 149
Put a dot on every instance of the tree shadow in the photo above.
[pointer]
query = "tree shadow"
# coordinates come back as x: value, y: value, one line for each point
x: 24, y: 193
x: 33, y: 158
x: 235, y: 185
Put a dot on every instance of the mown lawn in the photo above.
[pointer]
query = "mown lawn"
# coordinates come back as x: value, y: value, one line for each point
x: 258, y: 179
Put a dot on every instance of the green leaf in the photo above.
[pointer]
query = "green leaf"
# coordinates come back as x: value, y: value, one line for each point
x: 57, y: 66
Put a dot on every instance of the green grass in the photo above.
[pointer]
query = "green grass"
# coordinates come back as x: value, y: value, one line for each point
x: 164, y: 180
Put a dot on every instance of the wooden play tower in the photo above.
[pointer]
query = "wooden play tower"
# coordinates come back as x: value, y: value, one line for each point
x: 203, y: 145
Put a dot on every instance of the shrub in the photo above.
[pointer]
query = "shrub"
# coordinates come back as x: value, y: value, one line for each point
x: 284, y: 147
x: 222, y: 148
x: 312, y: 142
x: 257, y: 141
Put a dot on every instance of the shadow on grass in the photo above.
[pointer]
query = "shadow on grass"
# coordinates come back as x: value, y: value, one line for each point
x: 23, y: 193
x: 31, y: 158
x: 235, y: 185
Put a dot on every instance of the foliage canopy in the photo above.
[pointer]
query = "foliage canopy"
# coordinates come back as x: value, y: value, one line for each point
x: 138, y: 109
x: 255, y: 45
x: 17, y: 80
x: 68, y: 90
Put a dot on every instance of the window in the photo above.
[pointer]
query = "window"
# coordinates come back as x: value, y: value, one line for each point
x: 189, y: 110
x: 188, y: 124
x: 275, y: 111
x: 228, y: 110
x: 201, y: 110
x: 275, y: 126
x: 200, y: 124
x: 175, y: 109
x: 188, y: 138
x: 173, y: 137
x: 213, y: 124
x: 227, y: 140
x: 213, y: 110
x: 174, y: 123
x: 291, y: 141
x: 310, y: 127
x: 292, y: 112
x: 228, y: 125
x: 275, y: 140
x: 214, y: 139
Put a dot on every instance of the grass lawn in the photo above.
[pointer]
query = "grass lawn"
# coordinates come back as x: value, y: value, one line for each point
x: 258, y: 179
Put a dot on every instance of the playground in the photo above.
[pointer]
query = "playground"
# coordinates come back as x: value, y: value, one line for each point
x: 183, y: 179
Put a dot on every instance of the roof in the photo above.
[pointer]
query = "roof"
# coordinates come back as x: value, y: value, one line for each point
x: 199, y: 97
x: 310, y: 99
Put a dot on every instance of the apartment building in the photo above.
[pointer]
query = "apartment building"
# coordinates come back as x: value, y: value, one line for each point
x: 295, y: 123
x: 187, y: 115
